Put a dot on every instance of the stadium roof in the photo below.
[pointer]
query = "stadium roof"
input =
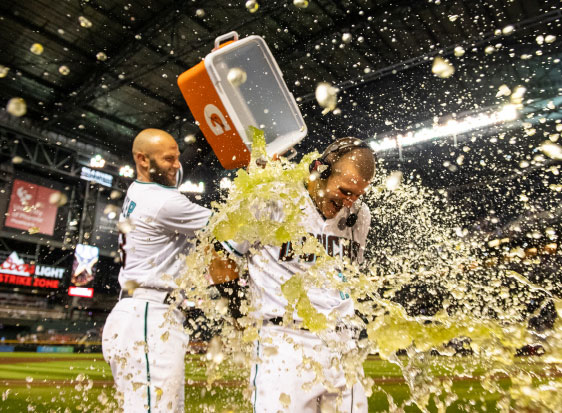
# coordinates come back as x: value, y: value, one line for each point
x: 108, y: 68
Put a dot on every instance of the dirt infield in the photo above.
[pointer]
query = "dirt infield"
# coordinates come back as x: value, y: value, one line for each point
x: 104, y: 383
x: 239, y: 383
x: 46, y: 359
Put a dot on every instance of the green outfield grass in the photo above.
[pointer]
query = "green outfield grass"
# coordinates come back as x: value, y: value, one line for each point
x: 82, y: 382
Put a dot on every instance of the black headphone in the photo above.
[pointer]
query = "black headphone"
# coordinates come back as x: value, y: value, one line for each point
x: 339, y: 147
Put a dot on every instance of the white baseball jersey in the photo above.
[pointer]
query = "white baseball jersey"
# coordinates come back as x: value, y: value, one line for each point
x: 162, y: 226
x: 274, y: 265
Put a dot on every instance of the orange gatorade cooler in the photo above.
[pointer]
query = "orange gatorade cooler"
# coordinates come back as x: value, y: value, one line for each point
x: 236, y: 86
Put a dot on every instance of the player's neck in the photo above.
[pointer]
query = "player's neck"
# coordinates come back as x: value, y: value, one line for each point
x: 313, y: 187
x: 143, y: 176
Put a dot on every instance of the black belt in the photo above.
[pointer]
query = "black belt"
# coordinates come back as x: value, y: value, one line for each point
x: 170, y: 299
x: 278, y: 321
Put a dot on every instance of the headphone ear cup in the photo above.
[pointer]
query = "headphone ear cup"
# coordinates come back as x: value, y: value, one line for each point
x: 313, y: 165
x: 325, y: 174
x: 316, y: 164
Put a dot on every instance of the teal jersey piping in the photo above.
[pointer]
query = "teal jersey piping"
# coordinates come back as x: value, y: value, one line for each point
x: 232, y: 248
x: 256, y: 376
x: 146, y: 354
x: 154, y: 183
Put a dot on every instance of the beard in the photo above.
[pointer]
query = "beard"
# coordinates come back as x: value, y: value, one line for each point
x: 159, y: 175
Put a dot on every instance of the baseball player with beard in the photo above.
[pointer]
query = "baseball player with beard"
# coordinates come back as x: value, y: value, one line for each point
x: 143, y: 338
x: 298, y: 370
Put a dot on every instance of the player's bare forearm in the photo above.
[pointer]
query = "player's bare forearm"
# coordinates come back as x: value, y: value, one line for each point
x: 222, y: 269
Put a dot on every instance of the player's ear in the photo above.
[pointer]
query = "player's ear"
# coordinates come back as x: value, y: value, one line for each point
x: 141, y: 159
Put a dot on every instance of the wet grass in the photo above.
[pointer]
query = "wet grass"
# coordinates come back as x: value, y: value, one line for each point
x: 30, y: 383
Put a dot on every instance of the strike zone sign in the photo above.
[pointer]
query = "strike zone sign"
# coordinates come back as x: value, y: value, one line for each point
x: 16, y: 272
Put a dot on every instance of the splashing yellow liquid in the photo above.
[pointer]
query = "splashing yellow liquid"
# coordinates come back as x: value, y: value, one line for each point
x: 476, y: 307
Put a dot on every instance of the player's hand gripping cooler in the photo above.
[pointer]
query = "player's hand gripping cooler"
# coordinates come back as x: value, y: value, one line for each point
x: 236, y: 86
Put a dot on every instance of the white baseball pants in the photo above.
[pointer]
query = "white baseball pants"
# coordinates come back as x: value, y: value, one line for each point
x: 146, y: 351
x: 298, y: 372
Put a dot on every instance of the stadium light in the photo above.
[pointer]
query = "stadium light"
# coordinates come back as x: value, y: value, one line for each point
x: 189, y: 186
x: 451, y: 128
x: 225, y: 183
x: 97, y: 161
x: 126, y: 171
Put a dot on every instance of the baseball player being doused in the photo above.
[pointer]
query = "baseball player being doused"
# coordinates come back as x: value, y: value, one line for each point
x: 143, y: 338
x: 298, y: 370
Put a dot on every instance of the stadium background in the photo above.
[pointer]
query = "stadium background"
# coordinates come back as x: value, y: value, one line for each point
x: 108, y: 69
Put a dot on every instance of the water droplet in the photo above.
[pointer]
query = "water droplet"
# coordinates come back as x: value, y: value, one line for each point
x: 326, y: 96
x: 346, y: 37
x: 453, y: 17
x: 459, y: 51
x: 540, y: 39
x: 393, y: 180
x: 200, y: 13
x: 16, y: 107
x: 115, y: 194
x: 508, y: 30
x: 125, y: 226
x: 503, y: 90
x: 189, y: 139
x: 130, y: 286
x: 58, y: 198
x: 551, y: 149
x: 237, y: 76
x: 442, y: 68
x: 550, y: 38
x: 64, y: 70
x: 36, y: 48
x: 84, y: 22
x: 101, y: 56
x: 301, y: 4
x: 4, y: 71
x: 252, y: 6
x: 285, y: 400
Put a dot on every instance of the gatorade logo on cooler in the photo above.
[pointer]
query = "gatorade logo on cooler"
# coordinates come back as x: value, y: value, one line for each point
x: 215, y: 119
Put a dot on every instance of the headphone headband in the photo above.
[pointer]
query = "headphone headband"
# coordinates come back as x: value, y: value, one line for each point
x: 342, y: 146
x: 339, y: 147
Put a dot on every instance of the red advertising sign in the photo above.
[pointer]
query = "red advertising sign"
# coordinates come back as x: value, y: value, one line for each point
x: 81, y: 292
x: 17, y: 272
x: 30, y: 208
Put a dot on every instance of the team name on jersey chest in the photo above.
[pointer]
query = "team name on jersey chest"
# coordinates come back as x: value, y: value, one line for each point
x: 334, y: 246
x: 128, y: 207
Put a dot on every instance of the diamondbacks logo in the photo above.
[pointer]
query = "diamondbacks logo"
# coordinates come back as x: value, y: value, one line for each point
x: 334, y: 246
x: 23, y: 195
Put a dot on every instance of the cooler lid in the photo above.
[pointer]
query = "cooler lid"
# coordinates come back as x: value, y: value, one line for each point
x: 256, y: 94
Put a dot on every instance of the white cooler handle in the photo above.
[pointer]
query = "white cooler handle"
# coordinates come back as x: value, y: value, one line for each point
x: 224, y: 37
x: 292, y: 153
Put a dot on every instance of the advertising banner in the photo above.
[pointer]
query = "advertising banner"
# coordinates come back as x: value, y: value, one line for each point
x: 105, y: 231
x: 16, y: 272
x: 83, y: 271
x: 30, y: 209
